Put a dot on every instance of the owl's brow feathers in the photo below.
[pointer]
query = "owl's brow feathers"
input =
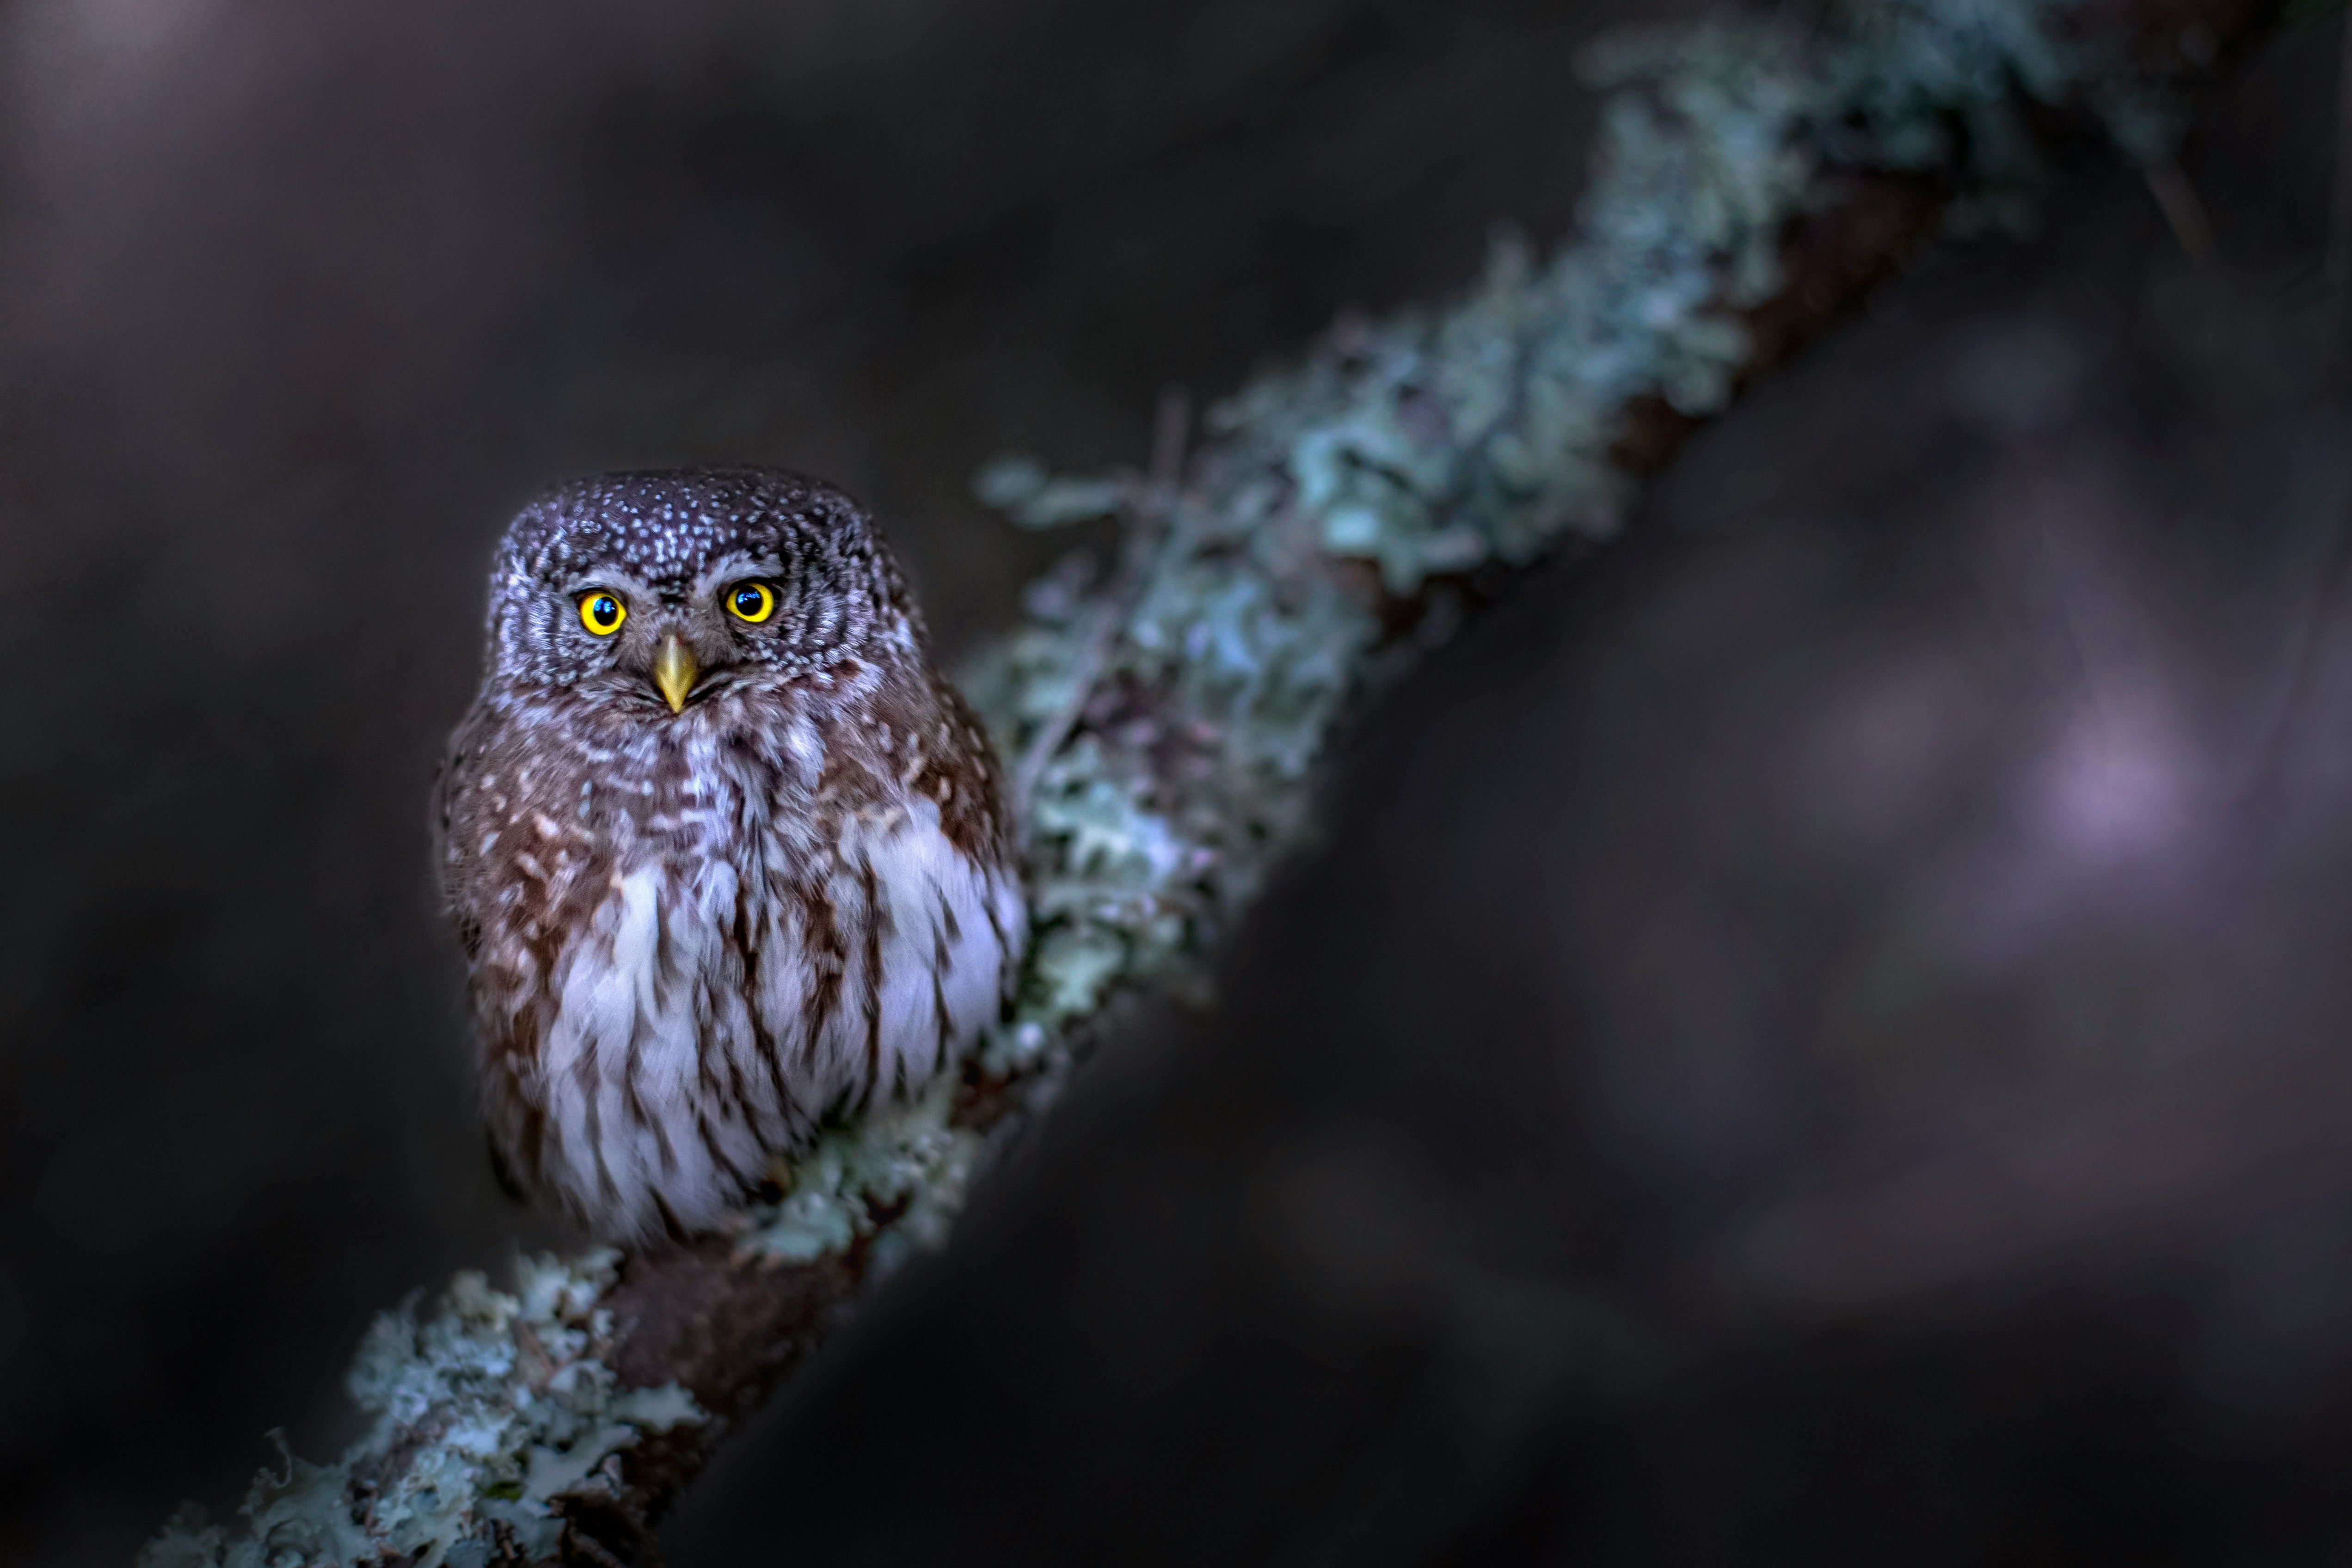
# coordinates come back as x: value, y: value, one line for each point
x: 664, y: 526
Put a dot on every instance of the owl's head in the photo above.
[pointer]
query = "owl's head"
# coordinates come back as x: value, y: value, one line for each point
x: 667, y: 588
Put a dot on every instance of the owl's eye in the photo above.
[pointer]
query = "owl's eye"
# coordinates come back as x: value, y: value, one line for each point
x: 601, y: 613
x: 752, y: 602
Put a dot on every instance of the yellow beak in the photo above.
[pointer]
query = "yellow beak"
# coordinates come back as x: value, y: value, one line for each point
x: 674, y: 671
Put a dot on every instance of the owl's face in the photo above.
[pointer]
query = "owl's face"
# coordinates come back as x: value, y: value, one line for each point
x: 655, y: 591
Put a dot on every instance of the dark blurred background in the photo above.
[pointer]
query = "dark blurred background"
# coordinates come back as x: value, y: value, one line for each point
x: 1818, y: 1031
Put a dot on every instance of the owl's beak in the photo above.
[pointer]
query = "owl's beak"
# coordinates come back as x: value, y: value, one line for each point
x: 674, y: 671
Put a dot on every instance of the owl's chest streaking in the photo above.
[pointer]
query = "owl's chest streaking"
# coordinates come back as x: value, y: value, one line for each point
x: 693, y: 942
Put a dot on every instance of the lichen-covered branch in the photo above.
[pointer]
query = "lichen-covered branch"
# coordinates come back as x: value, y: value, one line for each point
x: 1331, y: 521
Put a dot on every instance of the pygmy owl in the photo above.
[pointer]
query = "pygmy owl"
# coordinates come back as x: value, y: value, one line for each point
x: 728, y: 855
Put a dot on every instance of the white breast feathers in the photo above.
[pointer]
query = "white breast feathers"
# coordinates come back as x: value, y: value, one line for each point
x: 715, y: 1012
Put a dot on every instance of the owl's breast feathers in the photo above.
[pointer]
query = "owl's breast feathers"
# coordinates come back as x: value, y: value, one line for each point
x: 693, y: 941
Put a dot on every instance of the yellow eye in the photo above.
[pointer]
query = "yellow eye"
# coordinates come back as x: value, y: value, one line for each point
x: 602, y: 612
x: 752, y: 602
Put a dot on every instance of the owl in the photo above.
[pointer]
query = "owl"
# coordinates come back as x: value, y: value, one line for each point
x: 726, y: 855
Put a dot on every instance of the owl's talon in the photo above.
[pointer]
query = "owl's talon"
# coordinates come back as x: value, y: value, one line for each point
x: 501, y: 1172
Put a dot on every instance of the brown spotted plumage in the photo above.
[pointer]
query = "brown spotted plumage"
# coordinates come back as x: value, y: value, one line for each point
x: 727, y: 854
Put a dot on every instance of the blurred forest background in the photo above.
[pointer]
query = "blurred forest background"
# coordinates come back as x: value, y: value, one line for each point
x: 1819, y: 1029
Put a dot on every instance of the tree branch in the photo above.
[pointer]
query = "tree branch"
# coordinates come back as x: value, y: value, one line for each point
x: 1751, y: 181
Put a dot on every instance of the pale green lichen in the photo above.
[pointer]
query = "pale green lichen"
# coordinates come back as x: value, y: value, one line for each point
x: 906, y: 1161
x: 1433, y: 445
x: 487, y: 1414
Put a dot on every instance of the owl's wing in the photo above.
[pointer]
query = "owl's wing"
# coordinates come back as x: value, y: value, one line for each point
x: 450, y: 786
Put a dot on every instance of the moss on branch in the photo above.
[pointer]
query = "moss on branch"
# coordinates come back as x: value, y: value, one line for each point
x: 1333, y: 520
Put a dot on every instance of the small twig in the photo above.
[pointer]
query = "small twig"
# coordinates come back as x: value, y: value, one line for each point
x: 2335, y: 277
x: 2302, y: 669
x: 2336, y: 265
x: 2177, y: 199
x: 1148, y: 508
